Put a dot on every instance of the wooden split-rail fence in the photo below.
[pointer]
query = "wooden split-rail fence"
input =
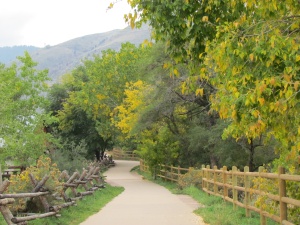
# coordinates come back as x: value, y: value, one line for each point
x: 124, y: 155
x: 240, y: 189
x: 89, y: 180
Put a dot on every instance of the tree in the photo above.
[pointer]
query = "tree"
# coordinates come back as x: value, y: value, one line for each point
x: 22, y: 119
x: 247, y: 50
x: 97, y: 92
x: 254, y: 62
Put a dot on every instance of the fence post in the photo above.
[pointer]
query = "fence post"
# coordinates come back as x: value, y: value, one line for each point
x: 172, y: 177
x: 178, y: 173
x: 207, y: 177
x: 247, y: 188
x: 262, y: 217
x: 5, y: 211
x: 225, y: 188
x: 0, y: 175
x: 282, y: 193
x: 234, y: 183
x: 215, y: 180
x: 203, y: 176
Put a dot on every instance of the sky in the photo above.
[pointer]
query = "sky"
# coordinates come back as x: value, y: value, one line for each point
x: 50, y: 22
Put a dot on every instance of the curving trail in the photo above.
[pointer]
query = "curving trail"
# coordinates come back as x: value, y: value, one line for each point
x: 143, y: 202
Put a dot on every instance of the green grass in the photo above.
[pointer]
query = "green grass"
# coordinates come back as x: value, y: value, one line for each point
x: 86, y: 207
x: 215, y: 210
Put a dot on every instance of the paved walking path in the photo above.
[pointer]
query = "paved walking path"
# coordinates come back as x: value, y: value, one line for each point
x: 143, y: 202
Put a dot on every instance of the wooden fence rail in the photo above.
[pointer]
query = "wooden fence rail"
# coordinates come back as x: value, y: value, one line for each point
x: 170, y: 173
x: 243, y: 189
x: 125, y: 155
x: 91, y: 180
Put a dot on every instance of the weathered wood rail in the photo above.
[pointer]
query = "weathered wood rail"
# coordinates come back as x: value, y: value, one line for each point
x: 239, y: 189
x: 12, y: 170
x: 124, y: 155
x: 170, y: 173
x: 91, y: 180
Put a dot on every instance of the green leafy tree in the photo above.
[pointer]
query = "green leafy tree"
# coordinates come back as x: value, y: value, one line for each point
x: 254, y: 63
x: 247, y: 50
x: 22, y: 119
x: 97, y: 89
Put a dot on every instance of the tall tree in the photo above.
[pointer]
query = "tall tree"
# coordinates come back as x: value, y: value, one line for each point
x: 100, y: 90
x: 22, y: 119
x: 247, y: 50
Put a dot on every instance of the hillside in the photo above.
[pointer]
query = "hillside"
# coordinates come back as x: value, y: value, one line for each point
x: 9, y: 54
x: 64, y: 57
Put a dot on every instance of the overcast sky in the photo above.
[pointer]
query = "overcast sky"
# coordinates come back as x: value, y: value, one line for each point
x: 50, y: 22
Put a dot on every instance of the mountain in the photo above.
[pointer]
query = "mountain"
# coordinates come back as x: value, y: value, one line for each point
x: 64, y: 57
x: 9, y: 54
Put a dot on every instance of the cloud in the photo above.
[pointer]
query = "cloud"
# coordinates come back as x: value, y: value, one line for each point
x: 11, y: 28
x: 50, y: 22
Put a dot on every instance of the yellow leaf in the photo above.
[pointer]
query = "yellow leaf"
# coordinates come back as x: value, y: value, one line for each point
x: 297, y: 58
x: 175, y: 71
x: 287, y: 77
x: 273, y: 81
x: 247, y: 102
x: 200, y: 92
x: 296, y: 85
x: 111, y: 5
x: 255, y: 113
x: 251, y: 57
x: 204, y: 18
x: 261, y: 101
x: 233, y: 114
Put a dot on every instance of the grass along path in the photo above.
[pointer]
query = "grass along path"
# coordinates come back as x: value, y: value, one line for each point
x: 215, y: 210
x: 86, y: 207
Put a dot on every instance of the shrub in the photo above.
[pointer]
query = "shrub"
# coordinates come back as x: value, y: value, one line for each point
x: 272, y: 186
x: 192, y: 178
x: 22, y: 183
x: 70, y: 156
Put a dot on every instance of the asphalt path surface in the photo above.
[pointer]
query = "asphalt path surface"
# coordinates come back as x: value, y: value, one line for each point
x: 143, y: 202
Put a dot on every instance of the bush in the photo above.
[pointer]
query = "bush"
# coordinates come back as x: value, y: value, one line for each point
x: 22, y: 184
x: 192, y: 178
x: 71, y: 156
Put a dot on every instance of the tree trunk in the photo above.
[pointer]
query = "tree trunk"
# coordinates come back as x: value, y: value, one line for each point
x: 251, y: 156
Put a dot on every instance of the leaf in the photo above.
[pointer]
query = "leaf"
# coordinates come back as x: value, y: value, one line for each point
x: 111, y: 5
x: 261, y: 101
x: 175, y: 71
x: 296, y: 85
x: 273, y: 81
x: 166, y: 66
x: 255, y: 113
x: 200, y: 92
x: 251, y: 57
x: 204, y: 18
